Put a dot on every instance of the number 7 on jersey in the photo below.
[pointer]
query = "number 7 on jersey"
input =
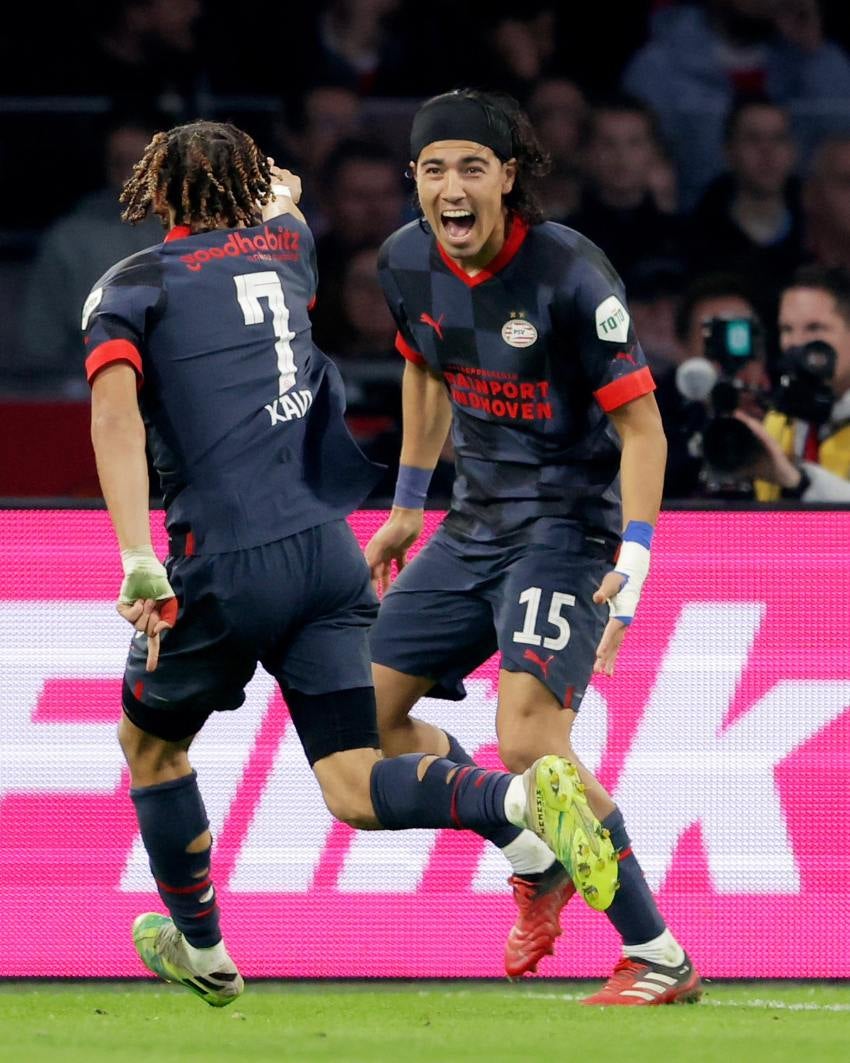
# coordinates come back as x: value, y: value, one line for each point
x: 250, y: 289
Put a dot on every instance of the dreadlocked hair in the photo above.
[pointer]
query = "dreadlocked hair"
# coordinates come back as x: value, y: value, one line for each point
x: 210, y: 173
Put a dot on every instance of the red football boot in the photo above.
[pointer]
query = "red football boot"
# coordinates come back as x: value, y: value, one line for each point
x: 639, y: 982
x: 537, y: 924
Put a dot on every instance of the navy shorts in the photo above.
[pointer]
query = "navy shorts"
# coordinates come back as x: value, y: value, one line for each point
x: 301, y: 607
x: 459, y: 602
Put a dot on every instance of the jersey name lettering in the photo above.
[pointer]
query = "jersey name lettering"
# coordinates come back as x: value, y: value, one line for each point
x: 290, y: 406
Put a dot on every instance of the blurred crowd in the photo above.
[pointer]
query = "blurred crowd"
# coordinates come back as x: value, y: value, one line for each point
x: 705, y: 147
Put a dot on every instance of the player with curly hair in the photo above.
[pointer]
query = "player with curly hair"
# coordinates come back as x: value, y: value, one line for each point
x: 200, y: 347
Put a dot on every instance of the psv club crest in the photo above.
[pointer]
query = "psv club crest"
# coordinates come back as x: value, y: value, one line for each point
x: 517, y: 332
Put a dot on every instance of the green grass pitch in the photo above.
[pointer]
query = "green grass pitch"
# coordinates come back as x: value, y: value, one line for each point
x: 540, y: 1021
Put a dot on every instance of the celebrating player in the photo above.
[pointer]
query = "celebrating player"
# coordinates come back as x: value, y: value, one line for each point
x: 201, y: 346
x: 516, y: 335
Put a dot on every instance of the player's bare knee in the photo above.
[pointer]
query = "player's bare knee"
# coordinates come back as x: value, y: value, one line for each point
x: 344, y: 778
x: 350, y: 804
x: 516, y: 754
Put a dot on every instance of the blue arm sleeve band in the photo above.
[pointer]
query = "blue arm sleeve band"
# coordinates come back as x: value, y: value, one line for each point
x: 638, y: 531
x: 411, y: 487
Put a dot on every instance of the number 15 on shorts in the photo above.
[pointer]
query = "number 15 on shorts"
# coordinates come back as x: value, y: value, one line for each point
x: 529, y: 636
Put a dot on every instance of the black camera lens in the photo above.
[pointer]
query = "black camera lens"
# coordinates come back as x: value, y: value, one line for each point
x: 805, y: 388
x: 816, y: 359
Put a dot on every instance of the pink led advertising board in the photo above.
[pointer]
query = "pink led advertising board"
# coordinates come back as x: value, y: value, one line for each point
x: 724, y: 736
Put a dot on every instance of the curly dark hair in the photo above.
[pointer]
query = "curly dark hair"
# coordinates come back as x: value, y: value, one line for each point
x: 211, y: 174
x: 532, y: 162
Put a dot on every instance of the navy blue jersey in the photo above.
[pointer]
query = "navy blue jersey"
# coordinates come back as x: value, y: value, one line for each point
x: 535, y: 350
x: 244, y: 414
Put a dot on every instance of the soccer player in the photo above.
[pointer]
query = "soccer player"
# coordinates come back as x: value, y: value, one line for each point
x: 201, y: 348
x: 516, y: 335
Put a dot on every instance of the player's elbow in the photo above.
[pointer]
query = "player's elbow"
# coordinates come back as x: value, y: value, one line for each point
x: 518, y: 749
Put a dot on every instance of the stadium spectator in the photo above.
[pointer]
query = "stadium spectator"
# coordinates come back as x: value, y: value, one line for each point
x: 619, y: 211
x: 319, y: 120
x: 655, y: 292
x: 805, y: 435
x: 360, y: 44
x: 826, y: 203
x: 700, y: 58
x: 749, y: 220
x: 362, y: 346
x: 362, y: 201
x: 685, y: 384
x: 72, y: 254
x: 146, y: 55
x: 519, y: 47
x: 201, y: 348
x: 664, y: 181
x: 365, y: 327
x: 516, y: 338
x: 558, y: 109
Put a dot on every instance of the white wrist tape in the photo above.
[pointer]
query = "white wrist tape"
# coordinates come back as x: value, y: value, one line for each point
x: 281, y: 190
x: 144, y: 576
x: 633, y: 563
x: 137, y: 558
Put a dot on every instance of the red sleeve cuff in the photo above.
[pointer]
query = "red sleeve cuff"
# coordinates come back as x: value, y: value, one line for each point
x: 312, y: 304
x: 624, y: 389
x: 408, y: 352
x: 112, y: 351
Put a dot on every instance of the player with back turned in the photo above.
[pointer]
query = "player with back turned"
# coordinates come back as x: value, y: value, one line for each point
x: 517, y: 336
x: 201, y: 346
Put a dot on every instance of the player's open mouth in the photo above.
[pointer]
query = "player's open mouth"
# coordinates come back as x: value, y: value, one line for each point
x: 457, y: 223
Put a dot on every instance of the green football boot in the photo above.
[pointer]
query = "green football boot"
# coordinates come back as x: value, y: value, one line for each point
x: 557, y: 811
x: 160, y: 947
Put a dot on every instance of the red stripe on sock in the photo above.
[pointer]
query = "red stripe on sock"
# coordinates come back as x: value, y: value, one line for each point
x: 461, y: 775
x: 206, y: 911
x: 624, y: 853
x: 185, y: 889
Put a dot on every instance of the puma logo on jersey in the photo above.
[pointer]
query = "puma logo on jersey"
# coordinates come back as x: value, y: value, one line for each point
x: 290, y: 406
x: 437, y: 325
x: 530, y: 655
x: 624, y: 356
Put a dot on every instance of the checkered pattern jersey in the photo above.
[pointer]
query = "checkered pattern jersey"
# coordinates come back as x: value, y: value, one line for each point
x: 535, y: 350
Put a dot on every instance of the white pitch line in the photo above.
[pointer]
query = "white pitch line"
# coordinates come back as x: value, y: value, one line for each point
x: 774, y: 1005
x: 780, y: 1005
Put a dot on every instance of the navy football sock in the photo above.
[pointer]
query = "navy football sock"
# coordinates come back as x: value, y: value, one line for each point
x: 472, y: 798
x: 633, y: 913
x: 171, y: 816
x: 499, y: 836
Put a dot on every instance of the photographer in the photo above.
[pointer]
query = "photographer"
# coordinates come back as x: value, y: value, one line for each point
x: 801, y: 449
x: 720, y: 349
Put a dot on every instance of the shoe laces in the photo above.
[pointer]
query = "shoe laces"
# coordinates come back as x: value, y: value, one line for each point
x: 625, y: 971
